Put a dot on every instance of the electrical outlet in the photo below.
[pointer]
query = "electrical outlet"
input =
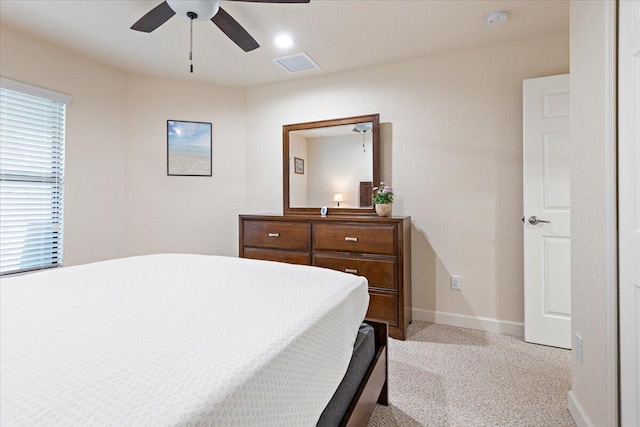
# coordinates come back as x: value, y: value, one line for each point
x: 579, y: 348
x: 456, y: 281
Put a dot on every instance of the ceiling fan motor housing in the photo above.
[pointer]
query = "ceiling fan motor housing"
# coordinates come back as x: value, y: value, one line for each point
x: 203, y: 9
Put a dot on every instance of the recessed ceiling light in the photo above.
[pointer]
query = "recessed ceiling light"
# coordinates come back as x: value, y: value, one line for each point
x: 497, y: 17
x: 283, y: 41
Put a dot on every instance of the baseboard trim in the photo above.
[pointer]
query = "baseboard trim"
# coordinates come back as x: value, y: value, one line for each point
x: 470, y: 322
x: 577, y: 411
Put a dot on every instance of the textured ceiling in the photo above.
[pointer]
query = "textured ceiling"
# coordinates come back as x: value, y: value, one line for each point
x: 338, y: 34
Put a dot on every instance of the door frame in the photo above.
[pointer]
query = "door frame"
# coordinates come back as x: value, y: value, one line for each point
x: 611, y: 212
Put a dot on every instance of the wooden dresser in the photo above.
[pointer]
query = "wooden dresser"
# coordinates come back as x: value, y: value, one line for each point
x: 374, y: 247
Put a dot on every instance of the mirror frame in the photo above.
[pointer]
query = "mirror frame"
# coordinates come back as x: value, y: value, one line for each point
x: 374, y: 119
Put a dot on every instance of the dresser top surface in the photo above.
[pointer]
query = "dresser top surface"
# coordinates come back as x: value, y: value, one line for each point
x: 328, y: 218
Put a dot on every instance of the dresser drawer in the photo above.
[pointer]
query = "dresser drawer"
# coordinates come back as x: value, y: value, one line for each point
x: 289, y: 257
x: 380, y: 272
x: 372, y: 239
x: 383, y: 306
x: 277, y: 235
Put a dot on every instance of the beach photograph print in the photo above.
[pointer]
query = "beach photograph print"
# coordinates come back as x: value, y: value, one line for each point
x: 188, y: 148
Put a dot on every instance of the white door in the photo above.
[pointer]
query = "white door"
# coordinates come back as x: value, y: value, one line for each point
x: 547, y: 205
x: 629, y: 209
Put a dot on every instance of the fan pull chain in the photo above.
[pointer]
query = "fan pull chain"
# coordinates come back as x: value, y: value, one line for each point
x: 191, y: 16
x: 191, y: 43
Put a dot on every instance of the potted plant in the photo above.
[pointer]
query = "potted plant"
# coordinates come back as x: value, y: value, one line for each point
x: 382, y: 199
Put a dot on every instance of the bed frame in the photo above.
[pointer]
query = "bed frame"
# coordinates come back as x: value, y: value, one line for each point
x: 374, y: 385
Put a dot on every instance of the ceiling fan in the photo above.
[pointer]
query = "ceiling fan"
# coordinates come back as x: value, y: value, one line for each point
x: 203, y: 10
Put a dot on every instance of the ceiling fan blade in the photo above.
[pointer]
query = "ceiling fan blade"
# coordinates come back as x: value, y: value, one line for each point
x: 274, y: 1
x: 234, y: 31
x: 154, y: 18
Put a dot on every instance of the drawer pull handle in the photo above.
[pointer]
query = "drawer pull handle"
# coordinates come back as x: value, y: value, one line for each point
x: 274, y: 234
x: 351, y: 270
x: 350, y: 239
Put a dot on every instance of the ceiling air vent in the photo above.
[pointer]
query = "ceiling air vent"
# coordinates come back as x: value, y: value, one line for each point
x: 297, y: 63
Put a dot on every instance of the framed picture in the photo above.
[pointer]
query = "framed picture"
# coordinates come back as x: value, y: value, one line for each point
x: 188, y: 148
x: 298, y: 164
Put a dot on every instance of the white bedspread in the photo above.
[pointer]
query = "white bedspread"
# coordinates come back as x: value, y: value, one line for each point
x: 175, y: 340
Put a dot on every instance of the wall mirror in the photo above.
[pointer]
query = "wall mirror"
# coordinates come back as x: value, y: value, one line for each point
x: 333, y: 163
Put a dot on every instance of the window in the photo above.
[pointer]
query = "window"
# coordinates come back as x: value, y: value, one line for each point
x: 32, y: 124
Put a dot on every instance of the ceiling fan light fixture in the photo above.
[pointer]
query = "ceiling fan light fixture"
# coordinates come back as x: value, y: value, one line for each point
x: 363, y: 127
x: 204, y: 9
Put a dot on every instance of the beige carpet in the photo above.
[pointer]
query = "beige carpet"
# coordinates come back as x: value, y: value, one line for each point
x: 446, y: 376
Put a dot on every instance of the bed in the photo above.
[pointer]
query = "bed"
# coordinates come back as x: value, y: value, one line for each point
x: 184, y: 340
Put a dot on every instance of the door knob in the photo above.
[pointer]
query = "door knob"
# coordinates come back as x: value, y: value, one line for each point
x: 535, y: 221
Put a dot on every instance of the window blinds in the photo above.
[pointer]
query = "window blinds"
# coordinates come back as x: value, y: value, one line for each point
x: 31, y: 180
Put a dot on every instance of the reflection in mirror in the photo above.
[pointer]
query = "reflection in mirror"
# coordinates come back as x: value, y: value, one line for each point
x: 338, y: 163
x: 331, y: 163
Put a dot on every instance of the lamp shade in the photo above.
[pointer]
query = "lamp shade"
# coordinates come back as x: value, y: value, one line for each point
x: 338, y: 197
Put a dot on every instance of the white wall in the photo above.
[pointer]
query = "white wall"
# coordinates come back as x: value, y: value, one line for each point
x: 96, y: 136
x: 176, y: 213
x: 452, y: 126
x: 588, y: 199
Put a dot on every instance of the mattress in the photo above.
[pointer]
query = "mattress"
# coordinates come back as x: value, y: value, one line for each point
x: 364, y: 351
x: 176, y: 340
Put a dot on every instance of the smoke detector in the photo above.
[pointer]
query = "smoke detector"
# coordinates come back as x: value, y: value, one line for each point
x: 497, y: 17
